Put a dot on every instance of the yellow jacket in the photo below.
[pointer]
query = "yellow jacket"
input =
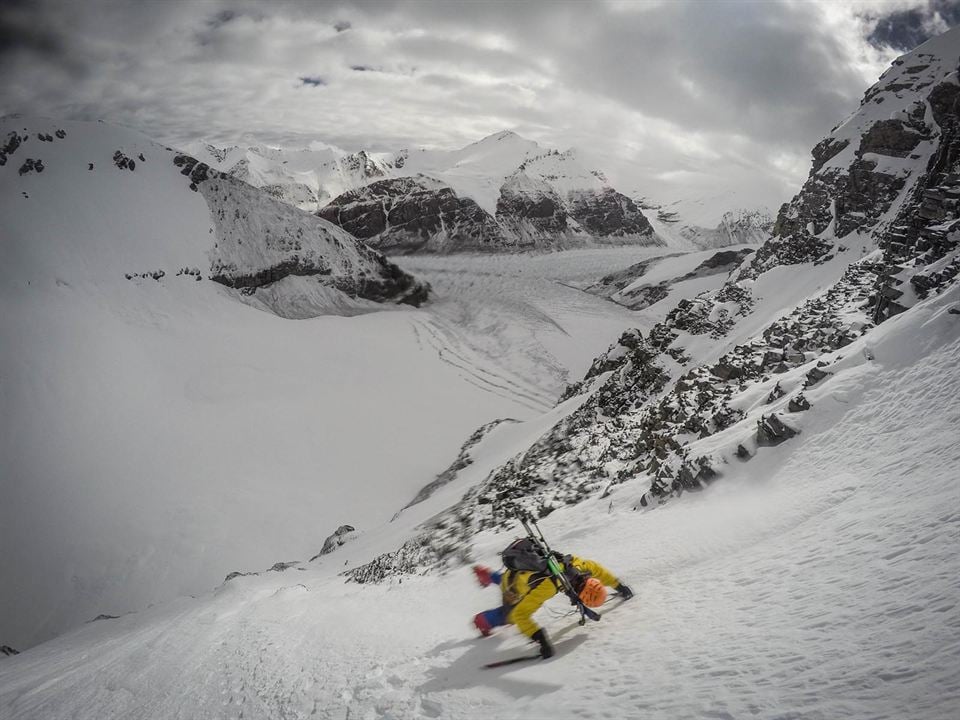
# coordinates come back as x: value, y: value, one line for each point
x: 526, y: 591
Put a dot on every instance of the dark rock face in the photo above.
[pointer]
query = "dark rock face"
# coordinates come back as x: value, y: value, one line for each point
x: 361, y: 163
x: 13, y: 142
x: 409, y: 214
x: 536, y: 215
x: 335, y: 540
x: 608, y: 214
x: 927, y: 224
x: 927, y: 227
x: 864, y: 193
x: 890, y: 137
x: 418, y: 214
x: 194, y: 169
x: 123, y: 162
x: 7, y: 651
x: 825, y: 150
x: 771, y: 431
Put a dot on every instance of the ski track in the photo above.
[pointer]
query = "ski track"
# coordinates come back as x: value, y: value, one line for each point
x: 454, y: 351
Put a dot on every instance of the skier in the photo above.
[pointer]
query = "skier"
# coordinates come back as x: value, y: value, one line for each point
x: 526, y: 584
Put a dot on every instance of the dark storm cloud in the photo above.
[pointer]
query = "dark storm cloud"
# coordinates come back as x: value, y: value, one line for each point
x: 905, y: 29
x: 678, y: 91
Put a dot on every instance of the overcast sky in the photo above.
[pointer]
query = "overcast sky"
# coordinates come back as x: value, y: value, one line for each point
x: 673, y: 98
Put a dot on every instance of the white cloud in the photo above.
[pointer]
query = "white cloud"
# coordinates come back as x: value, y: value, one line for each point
x: 727, y: 96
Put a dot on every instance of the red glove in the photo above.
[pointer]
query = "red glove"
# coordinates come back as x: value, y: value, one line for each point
x: 483, y: 575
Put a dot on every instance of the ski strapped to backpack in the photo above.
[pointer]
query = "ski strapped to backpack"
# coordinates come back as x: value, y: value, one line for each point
x: 555, y: 569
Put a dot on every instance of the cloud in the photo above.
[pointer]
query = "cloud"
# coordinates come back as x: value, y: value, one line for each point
x: 677, y: 97
x: 905, y: 28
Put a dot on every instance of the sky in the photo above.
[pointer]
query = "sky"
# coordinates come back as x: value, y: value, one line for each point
x: 671, y: 99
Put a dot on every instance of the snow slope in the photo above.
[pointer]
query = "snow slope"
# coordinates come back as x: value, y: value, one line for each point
x: 106, y: 203
x: 809, y: 584
x: 157, y: 430
x: 154, y: 427
x: 816, y: 577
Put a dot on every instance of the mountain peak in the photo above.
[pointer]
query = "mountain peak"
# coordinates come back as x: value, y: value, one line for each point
x: 503, y: 135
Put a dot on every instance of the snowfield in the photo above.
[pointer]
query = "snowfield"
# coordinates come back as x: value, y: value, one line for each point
x: 160, y: 434
x: 816, y: 581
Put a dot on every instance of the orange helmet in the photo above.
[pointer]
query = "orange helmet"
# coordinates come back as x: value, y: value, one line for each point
x: 593, y: 594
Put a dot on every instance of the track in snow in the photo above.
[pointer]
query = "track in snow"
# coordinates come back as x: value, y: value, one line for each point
x: 454, y: 351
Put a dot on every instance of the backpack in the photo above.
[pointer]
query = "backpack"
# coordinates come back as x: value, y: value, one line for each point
x: 524, y: 555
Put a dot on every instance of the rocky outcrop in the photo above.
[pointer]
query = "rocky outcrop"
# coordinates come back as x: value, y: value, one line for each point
x: 903, y: 139
x: 415, y: 214
x: 608, y: 214
x: 261, y: 242
x: 336, y: 540
x: 626, y: 287
x: 7, y: 651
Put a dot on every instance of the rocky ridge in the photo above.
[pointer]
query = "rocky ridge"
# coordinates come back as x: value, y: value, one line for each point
x: 658, y: 414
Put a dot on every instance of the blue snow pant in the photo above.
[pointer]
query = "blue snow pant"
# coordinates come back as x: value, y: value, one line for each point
x: 497, y: 616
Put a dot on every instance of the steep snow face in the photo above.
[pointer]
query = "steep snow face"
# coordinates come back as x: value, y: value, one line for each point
x: 478, y: 170
x: 830, y: 592
x: 305, y: 178
x: 293, y: 263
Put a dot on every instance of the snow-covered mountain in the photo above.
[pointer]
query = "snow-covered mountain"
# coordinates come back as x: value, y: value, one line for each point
x: 145, y: 211
x: 305, y: 178
x: 736, y: 227
x: 503, y: 192
x: 548, y: 201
